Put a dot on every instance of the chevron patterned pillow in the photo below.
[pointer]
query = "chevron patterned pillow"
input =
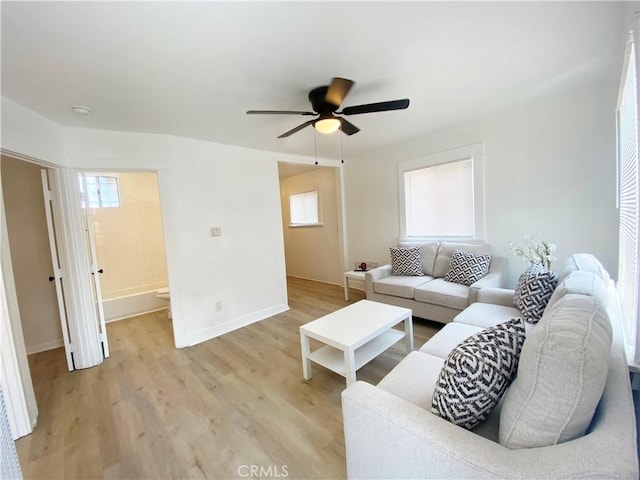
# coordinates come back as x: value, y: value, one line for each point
x: 467, y: 268
x: 534, y: 289
x: 477, y: 373
x: 406, y: 261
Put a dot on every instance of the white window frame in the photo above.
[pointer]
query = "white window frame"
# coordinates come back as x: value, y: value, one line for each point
x: 475, y: 153
x: 318, y: 221
x: 87, y: 202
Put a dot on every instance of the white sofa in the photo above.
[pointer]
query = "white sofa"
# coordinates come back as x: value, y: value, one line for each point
x: 390, y: 431
x: 430, y: 296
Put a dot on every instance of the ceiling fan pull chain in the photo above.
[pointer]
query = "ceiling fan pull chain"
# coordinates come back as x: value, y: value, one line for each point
x: 341, y: 154
x: 315, y: 149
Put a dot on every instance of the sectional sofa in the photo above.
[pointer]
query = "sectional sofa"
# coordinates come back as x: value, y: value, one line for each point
x: 428, y: 295
x: 567, y: 414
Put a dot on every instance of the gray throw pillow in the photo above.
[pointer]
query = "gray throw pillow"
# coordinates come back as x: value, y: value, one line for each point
x: 467, y: 268
x: 477, y: 373
x: 561, y: 375
x: 534, y: 289
x: 406, y: 261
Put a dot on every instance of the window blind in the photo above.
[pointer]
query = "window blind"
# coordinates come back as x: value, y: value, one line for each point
x: 304, y: 208
x: 628, y: 203
x: 439, y: 200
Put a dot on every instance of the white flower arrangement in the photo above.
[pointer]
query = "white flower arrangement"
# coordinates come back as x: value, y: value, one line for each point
x: 535, y: 253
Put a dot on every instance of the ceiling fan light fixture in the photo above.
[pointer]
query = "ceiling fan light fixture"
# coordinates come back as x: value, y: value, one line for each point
x: 327, y: 125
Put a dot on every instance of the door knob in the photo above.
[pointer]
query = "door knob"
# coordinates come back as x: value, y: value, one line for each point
x: 51, y: 279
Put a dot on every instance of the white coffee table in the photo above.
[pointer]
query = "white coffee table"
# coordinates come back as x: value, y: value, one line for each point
x: 354, y: 336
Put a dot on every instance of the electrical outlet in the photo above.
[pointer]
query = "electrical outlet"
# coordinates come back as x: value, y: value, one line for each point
x: 216, y: 231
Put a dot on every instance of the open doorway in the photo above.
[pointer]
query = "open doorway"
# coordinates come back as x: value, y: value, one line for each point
x: 129, y: 242
x: 30, y: 254
x: 314, y: 249
x: 129, y: 246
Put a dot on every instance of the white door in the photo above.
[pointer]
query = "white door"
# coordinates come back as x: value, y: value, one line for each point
x: 57, y: 270
x: 96, y: 271
x: 74, y: 273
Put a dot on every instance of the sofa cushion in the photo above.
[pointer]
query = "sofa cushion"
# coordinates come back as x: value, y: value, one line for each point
x: 406, y: 261
x: 441, y: 292
x: 582, y: 283
x: 445, y: 252
x: 477, y: 373
x: 533, y: 291
x: 561, y: 376
x: 399, y: 286
x: 486, y: 315
x: 428, y: 252
x: 584, y: 262
x: 467, y: 268
x: 448, y: 338
x: 414, y: 378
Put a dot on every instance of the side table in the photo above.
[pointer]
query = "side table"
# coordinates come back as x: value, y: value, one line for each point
x: 355, y: 275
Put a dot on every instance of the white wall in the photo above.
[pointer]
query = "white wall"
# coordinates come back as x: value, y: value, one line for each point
x: 27, y: 133
x: 88, y: 148
x: 217, y: 284
x: 314, y: 252
x: 549, y: 168
x: 221, y: 283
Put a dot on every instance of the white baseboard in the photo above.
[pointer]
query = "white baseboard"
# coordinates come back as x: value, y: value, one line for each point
x: 215, y: 331
x: 43, y: 347
x: 127, y: 306
x: 117, y: 319
x: 354, y: 283
x: 315, y: 280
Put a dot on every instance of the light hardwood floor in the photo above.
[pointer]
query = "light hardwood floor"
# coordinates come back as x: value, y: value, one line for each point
x: 230, y: 407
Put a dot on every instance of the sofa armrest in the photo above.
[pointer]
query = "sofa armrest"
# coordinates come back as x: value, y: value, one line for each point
x: 374, y: 275
x: 389, y: 437
x: 497, y: 296
x: 495, y: 278
x: 490, y: 280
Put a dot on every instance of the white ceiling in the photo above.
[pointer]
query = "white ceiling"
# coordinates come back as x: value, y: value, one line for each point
x: 193, y: 68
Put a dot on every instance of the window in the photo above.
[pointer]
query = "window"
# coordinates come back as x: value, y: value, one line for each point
x: 628, y: 199
x: 303, y: 208
x: 441, y: 195
x: 102, y: 191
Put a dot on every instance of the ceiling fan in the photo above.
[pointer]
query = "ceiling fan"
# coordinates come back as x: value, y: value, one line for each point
x: 326, y: 101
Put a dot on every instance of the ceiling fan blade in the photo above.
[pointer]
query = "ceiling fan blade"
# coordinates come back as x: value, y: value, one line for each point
x: 278, y: 112
x: 376, y: 107
x: 338, y: 89
x: 297, y: 129
x: 348, y: 127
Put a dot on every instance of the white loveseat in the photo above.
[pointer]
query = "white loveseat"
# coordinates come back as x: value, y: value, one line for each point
x: 390, y: 431
x: 430, y: 296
